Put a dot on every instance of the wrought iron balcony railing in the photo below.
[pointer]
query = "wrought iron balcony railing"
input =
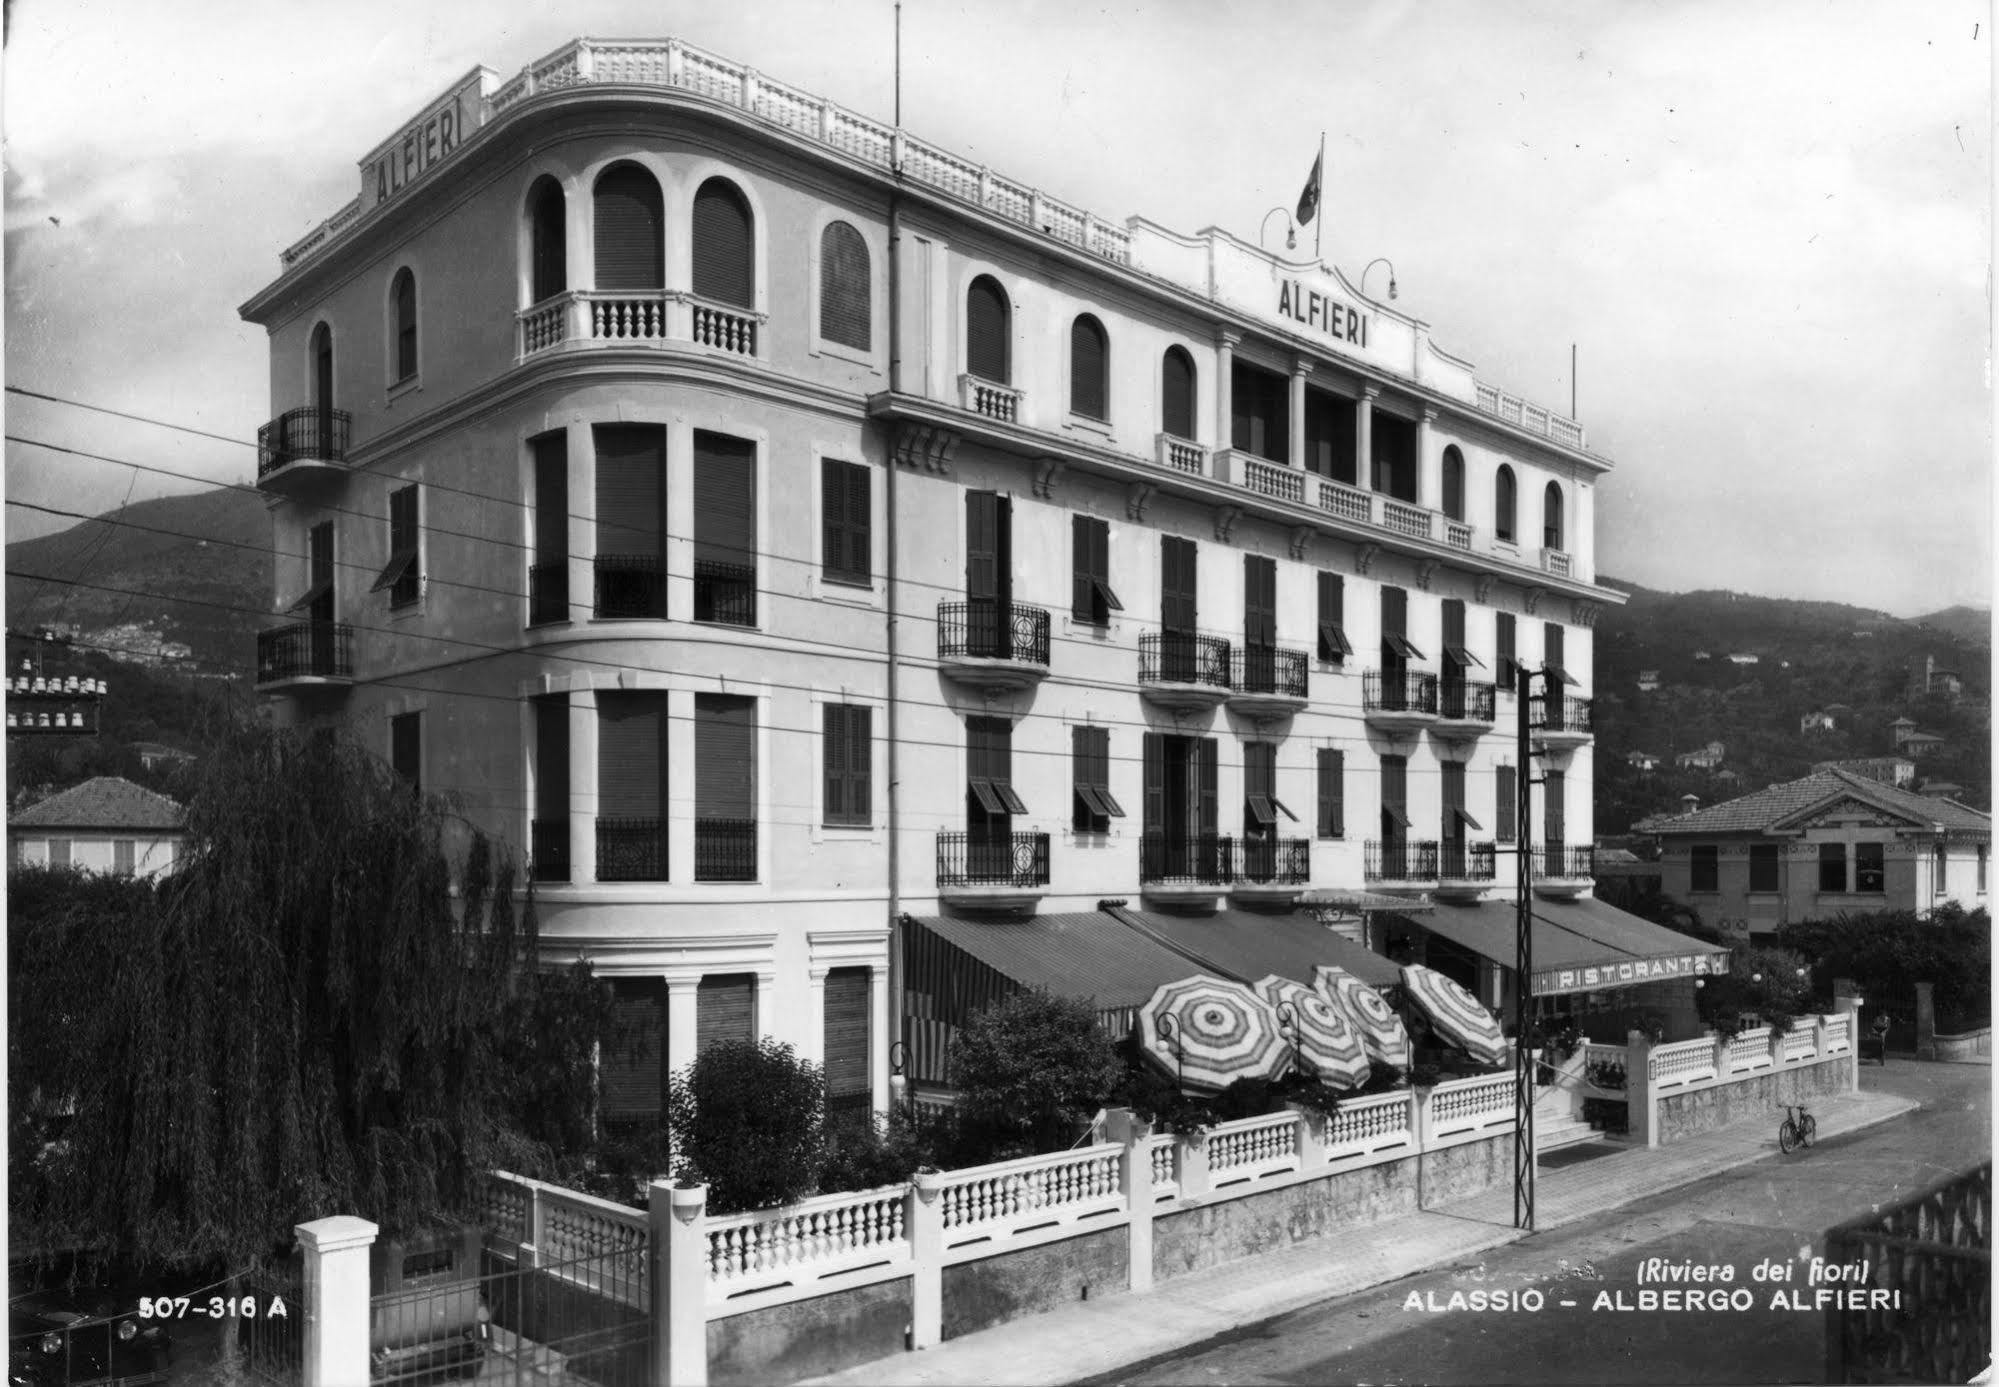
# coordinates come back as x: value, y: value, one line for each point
x: 1198, y: 859
x: 725, y: 592
x: 630, y: 586
x: 1571, y: 860
x: 1182, y: 657
x: 985, y: 628
x: 1464, y: 701
x: 1458, y: 860
x: 1558, y: 713
x: 549, y: 844
x: 631, y: 849
x: 548, y: 592
x: 1399, y: 860
x: 306, y: 650
x: 992, y: 859
x: 300, y: 435
x: 1404, y: 691
x: 725, y: 849
x: 1276, y: 861
x: 1269, y: 669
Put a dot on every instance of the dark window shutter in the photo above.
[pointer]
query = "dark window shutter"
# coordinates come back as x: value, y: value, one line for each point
x: 1502, y: 503
x: 1454, y: 624
x: 406, y: 747
x: 844, y: 289
x: 1454, y: 802
x: 1091, y: 564
x: 549, y: 254
x: 632, y: 1067
x: 1395, y: 783
x: 1551, y: 516
x: 631, y: 755
x: 551, y: 497
x: 1207, y: 801
x: 1176, y: 392
x: 1454, y: 484
x: 630, y: 225
x: 846, y: 521
x: 1177, y: 609
x: 724, y: 757
x: 724, y: 245
x: 320, y: 543
x: 1503, y: 640
x: 551, y: 756
x: 1394, y: 612
x: 1259, y: 601
x: 1552, y: 653
x: 322, y: 366
x: 833, y: 758
x: 1554, y: 830
x: 725, y: 1008
x: 1506, y: 811
x: 725, y: 500
x: 1083, y: 816
x: 849, y: 754
x: 988, y: 519
x: 847, y: 1025
x: 1332, y: 793
x: 1152, y: 813
x: 631, y: 488
x: 405, y: 297
x: 1089, y: 361
x: 987, y: 331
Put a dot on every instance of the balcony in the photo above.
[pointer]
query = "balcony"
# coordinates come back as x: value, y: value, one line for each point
x: 992, y: 871
x: 302, y: 448
x: 1559, y: 722
x: 548, y: 592
x: 992, y: 644
x: 1274, y: 870
x: 1401, y: 868
x: 1267, y: 682
x: 1564, y: 872
x: 1466, y: 871
x: 582, y: 318
x: 1465, y: 710
x: 989, y: 398
x: 1197, y: 869
x: 630, y: 587
x: 549, y: 849
x: 1182, y: 455
x: 306, y: 654
x: 631, y: 849
x: 1183, y: 671
x: 725, y: 593
x: 725, y: 849
x: 1398, y: 701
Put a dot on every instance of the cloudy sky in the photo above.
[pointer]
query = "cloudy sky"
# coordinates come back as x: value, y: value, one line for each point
x: 1766, y: 227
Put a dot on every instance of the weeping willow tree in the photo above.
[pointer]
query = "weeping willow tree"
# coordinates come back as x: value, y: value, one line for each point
x: 332, y: 1006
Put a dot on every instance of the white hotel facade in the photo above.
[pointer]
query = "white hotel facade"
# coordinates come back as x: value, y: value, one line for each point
x: 780, y: 528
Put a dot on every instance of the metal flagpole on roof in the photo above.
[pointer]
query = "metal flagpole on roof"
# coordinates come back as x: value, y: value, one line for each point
x: 1319, y: 221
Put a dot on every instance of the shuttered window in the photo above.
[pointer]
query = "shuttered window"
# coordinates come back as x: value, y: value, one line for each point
x: 1333, y: 643
x: 1261, y: 806
x: 631, y: 489
x: 1456, y: 651
x: 725, y: 1008
x: 630, y: 224
x: 1763, y: 867
x: 988, y: 330
x: 551, y: 497
x: 1178, y: 611
x: 1394, y: 797
x: 632, y: 1068
x: 403, y: 574
x: 1395, y: 643
x: 1458, y: 823
x: 631, y: 755
x: 848, y: 747
x: 551, y: 756
x: 1089, y: 369
x: 725, y: 529
x: 724, y: 245
x: 1090, y: 757
x: 1506, y: 808
x: 1454, y: 484
x: 403, y: 294
x: 1332, y: 793
x: 848, y: 1016
x: 846, y: 522
x: 123, y: 852
x: 548, y: 236
x: 1503, y: 504
x: 990, y: 796
x: 317, y: 599
x: 1207, y: 778
x: 1259, y: 601
x: 725, y: 788
x: 406, y: 748
x: 844, y: 289
x: 1551, y: 516
x: 322, y: 368
x: 1260, y: 402
x: 1554, y: 655
x: 1504, y: 653
x: 1092, y: 600
x: 1176, y: 393
x: 1554, y: 808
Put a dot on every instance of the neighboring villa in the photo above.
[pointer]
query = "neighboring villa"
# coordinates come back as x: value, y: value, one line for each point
x: 1703, y: 758
x: 1644, y: 762
x: 1744, y: 659
x: 103, y: 825
x: 1944, y: 683
x: 1898, y: 771
x: 1910, y: 742
x: 1648, y: 681
x: 1816, y: 721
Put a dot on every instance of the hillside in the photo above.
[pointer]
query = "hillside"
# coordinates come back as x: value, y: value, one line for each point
x: 1973, y: 624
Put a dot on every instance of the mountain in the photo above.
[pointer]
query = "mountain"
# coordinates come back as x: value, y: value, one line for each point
x: 1967, y: 623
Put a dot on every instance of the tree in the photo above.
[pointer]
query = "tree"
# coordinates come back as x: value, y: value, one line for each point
x: 1031, y: 1069
x: 748, y: 1118
x: 332, y: 1006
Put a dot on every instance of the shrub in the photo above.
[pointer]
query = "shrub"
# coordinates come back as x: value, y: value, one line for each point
x: 1031, y: 1070
x: 873, y: 1150
x: 1779, y: 995
x: 1605, y: 1073
x: 748, y: 1118
x: 1886, y: 954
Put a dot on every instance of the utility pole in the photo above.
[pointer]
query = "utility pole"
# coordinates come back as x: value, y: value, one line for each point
x: 1523, y: 962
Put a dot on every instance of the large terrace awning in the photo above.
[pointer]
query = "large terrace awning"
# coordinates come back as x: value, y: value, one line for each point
x: 1248, y: 945
x: 1579, y: 946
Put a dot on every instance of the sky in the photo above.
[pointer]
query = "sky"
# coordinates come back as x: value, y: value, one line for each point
x: 1766, y: 229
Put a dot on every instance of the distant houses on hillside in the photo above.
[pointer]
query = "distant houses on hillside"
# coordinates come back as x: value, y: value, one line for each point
x: 1816, y: 722
x: 1898, y: 771
x: 1705, y: 758
x: 1648, y: 681
x: 1644, y: 762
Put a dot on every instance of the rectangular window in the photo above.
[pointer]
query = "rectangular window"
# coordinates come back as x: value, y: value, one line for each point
x: 122, y: 856
x: 631, y: 520
x: 1331, y: 435
x: 1332, y: 793
x: 1870, y: 868
x: 402, y: 576
x: 548, y: 573
x: 406, y: 748
x: 849, y: 755
x: 1456, y: 652
x: 631, y: 1061
x: 1458, y: 822
x: 549, y: 832
x: 1507, y: 665
x: 1981, y: 868
x: 631, y: 786
x: 725, y: 530
x: 58, y: 852
x: 725, y: 788
x: 1832, y: 867
x: 1553, y: 657
x: 1090, y: 764
x: 1554, y: 809
x: 1259, y: 602
x: 1763, y: 867
x: 846, y: 521
x: 1394, y: 797
x: 725, y: 1008
x: 1506, y: 809
x: 989, y: 795
x: 1942, y: 861
x: 1260, y: 406
x: 1334, y: 646
x: 1261, y: 806
x: 1092, y: 600
x: 847, y: 1033
x: 1706, y: 867
x: 1395, y: 644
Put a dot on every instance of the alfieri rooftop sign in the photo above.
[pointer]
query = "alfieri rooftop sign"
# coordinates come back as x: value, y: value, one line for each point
x: 406, y: 156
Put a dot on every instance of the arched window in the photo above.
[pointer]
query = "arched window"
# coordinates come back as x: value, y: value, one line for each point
x: 630, y: 224
x: 724, y: 245
x: 1089, y: 369
x: 844, y: 310
x: 548, y: 243
x: 402, y: 293
x: 1454, y: 484
x: 1502, y: 504
x: 1176, y: 393
x: 1551, y: 517
x: 987, y: 331
x: 322, y: 367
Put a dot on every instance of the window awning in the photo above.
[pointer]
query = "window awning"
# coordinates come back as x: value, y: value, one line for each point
x: 1462, y: 657
x: 1105, y: 595
x: 393, y: 571
x: 1333, y: 641
x: 1393, y: 811
x: 1100, y: 801
x: 996, y: 796
x: 1247, y: 945
x: 1579, y: 946
x: 1401, y: 646
x: 1469, y: 822
x: 1561, y: 676
x: 311, y: 595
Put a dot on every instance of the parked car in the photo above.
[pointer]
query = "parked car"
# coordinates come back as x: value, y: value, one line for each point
x: 61, y: 1337
x: 430, y: 1320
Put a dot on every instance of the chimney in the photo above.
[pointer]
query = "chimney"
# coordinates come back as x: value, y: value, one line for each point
x: 1689, y: 803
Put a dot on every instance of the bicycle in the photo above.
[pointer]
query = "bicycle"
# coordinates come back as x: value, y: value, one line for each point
x: 1799, y: 1128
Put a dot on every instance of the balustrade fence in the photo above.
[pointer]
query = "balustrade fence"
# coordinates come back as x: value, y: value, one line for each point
x: 1200, y: 859
x: 987, y: 628
x: 1399, y: 860
x: 975, y: 858
x: 1461, y: 701
x: 310, y: 433
x: 1267, y: 669
x: 1276, y: 861
x: 1183, y: 657
x: 306, y: 650
x: 1398, y: 691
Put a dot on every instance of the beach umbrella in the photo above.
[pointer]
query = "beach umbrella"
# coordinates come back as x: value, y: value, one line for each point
x: 1381, y: 1030
x: 1455, y: 1013
x: 1209, y: 1032
x: 1324, y: 1041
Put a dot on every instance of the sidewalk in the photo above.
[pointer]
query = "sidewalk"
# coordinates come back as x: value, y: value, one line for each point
x: 1082, y: 1340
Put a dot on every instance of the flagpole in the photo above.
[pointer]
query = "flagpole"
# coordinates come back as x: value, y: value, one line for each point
x: 1319, y: 212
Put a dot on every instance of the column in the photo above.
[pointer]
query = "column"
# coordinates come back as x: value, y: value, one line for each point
x: 1124, y: 1126
x: 1848, y: 1005
x: 582, y: 507
x: 679, y: 1274
x: 582, y: 786
x: 1428, y: 492
x: 1363, y: 463
x: 682, y: 999
x: 924, y: 1218
x: 339, y: 1319
x: 766, y: 1008
x: 680, y: 754
x: 1640, y: 1102
x: 879, y: 1039
x: 814, y: 1046
x: 1300, y: 369
x: 1224, y: 425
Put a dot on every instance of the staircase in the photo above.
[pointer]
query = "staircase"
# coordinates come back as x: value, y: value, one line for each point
x: 1554, y: 1125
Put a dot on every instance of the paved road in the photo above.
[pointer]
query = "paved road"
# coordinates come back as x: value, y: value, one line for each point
x: 1773, y: 1211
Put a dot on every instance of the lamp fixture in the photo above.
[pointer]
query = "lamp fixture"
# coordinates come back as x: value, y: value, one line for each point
x: 1290, y: 227
x: 1379, y: 260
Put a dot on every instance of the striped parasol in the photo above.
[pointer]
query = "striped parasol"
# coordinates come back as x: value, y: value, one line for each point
x: 1324, y: 1042
x: 1209, y: 1033
x: 1455, y: 1013
x: 1381, y: 1030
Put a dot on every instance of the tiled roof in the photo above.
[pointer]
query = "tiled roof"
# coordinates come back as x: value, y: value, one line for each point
x: 1758, y: 812
x: 109, y: 801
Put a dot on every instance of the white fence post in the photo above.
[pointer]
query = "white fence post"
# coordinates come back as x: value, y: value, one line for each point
x: 1848, y: 1006
x: 1190, y: 1163
x: 925, y: 1222
x: 339, y: 1323
x: 1311, y: 1137
x: 1641, y: 1102
x: 1135, y: 1177
x: 679, y: 1250
x: 537, y: 1229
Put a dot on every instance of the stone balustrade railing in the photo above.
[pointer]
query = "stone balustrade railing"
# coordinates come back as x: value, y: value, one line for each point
x: 1531, y: 417
x: 997, y: 1200
x: 1681, y: 1063
x: 806, y: 1242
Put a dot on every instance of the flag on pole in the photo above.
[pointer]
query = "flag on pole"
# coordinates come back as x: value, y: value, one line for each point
x: 1308, y: 201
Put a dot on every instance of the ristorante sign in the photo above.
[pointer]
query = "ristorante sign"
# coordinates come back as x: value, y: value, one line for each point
x: 1638, y: 970
x: 411, y: 152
